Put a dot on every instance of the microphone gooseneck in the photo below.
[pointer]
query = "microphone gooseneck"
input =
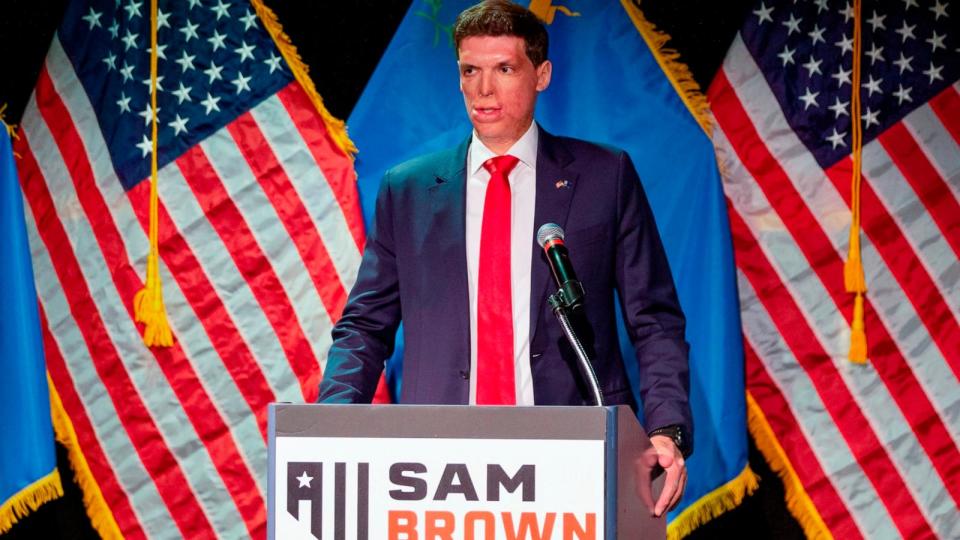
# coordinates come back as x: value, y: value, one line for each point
x: 568, y: 296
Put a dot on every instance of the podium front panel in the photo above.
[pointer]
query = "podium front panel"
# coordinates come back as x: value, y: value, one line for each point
x: 399, y: 472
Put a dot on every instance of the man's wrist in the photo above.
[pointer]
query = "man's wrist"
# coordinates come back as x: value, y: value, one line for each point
x: 678, y: 435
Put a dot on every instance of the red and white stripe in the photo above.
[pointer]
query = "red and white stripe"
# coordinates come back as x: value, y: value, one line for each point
x: 261, y: 235
x: 875, y: 446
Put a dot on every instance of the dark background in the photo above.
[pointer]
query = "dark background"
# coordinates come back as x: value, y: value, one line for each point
x: 342, y: 42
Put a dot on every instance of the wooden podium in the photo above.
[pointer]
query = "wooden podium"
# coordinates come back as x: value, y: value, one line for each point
x: 416, y: 472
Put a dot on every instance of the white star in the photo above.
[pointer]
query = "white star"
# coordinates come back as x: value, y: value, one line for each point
x: 839, y: 108
x: 160, y: 51
x: 836, y: 139
x: 821, y: 5
x: 875, y: 53
x: 93, y: 18
x: 133, y: 9
x: 870, y: 118
x: 876, y: 21
x: 809, y: 98
x: 845, y: 44
x: 250, y: 19
x: 217, y: 40
x: 903, y: 94
x: 213, y: 72
x: 129, y: 39
x: 813, y: 66
x: 241, y: 82
x: 273, y: 62
x: 111, y: 62
x: 938, y: 10
x: 159, y: 86
x: 904, y: 63
x: 114, y: 29
x: 145, y: 146
x: 936, y: 41
x: 906, y: 32
x: 189, y: 31
x: 787, y: 55
x: 178, y: 124
x: 304, y: 480
x: 123, y: 103
x: 764, y: 13
x: 793, y: 24
x: 194, y: 3
x: 934, y: 73
x: 847, y: 13
x: 221, y: 9
x: 162, y: 19
x: 872, y: 86
x: 182, y: 93
x: 817, y: 34
x: 145, y: 113
x: 909, y: 4
x: 126, y: 71
x: 245, y: 51
x: 211, y: 103
x: 185, y: 61
x: 842, y: 76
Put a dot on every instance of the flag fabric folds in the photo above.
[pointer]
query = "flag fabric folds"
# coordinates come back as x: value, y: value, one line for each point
x: 28, y: 463
x: 612, y: 84
x: 260, y: 235
x: 866, y: 450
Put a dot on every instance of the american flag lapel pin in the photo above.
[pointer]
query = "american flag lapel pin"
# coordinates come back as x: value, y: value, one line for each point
x: 562, y: 184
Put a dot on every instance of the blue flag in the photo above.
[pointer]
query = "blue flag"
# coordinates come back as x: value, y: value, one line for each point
x: 28, y: 463
x: 610, y: 85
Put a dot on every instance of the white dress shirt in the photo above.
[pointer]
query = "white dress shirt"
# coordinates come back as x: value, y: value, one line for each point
x: 523, y: 190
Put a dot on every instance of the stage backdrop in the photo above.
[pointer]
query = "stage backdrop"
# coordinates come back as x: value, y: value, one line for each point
x: 611, y: 84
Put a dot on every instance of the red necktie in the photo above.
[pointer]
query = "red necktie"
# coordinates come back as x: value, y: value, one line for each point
x: 495, y: 370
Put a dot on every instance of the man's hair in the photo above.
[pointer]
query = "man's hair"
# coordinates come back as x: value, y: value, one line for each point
x: 503, y: 18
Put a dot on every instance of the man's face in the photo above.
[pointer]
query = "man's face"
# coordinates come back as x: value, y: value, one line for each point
x: 500, y: 86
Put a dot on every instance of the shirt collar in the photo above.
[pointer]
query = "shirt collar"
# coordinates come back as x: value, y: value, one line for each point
x: 525, y: 149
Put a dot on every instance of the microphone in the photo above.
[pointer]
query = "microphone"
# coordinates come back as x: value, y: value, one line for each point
x: 550, y: 238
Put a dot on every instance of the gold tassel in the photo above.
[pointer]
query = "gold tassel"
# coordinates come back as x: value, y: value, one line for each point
x: 148, y: 306
x: 30, y: 498
x: 853, y: 278
x: 713, y: 504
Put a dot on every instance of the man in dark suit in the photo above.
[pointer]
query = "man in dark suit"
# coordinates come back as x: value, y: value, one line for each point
x: 453, y: 254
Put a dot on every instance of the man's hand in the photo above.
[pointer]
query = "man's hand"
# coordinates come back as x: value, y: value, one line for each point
x: 670, y: 458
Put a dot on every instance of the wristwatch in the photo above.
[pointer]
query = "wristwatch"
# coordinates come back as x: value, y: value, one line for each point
x: 677, y: 435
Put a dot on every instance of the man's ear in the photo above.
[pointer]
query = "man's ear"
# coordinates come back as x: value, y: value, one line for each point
x: 544, y: 71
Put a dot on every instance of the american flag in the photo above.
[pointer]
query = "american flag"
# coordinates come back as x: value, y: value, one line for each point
x: 260, y: 240
x: 866, y: 451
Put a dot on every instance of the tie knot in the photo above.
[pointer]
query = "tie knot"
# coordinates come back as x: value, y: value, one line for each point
x: 500, y: 165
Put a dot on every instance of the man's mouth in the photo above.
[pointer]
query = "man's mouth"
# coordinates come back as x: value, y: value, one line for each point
x: 484, y: 113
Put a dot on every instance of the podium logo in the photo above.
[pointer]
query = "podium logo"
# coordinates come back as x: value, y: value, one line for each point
x: 305, y: 483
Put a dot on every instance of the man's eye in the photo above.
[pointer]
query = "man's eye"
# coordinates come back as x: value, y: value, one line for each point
x: 506, y: 69
x: 468, y: 71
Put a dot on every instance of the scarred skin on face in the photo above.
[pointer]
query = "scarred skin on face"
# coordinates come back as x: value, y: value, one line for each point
x: 500, y: 86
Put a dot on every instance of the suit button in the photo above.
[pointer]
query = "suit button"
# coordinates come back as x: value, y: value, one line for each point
x: 464, y: 374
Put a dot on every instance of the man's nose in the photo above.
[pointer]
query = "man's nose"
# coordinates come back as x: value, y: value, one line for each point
x: 486, y: 84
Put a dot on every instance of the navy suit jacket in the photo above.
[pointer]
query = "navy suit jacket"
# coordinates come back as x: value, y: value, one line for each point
x: 414, y: 268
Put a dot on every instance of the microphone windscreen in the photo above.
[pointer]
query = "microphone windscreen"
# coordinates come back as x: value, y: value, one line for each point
x: 547, y: 232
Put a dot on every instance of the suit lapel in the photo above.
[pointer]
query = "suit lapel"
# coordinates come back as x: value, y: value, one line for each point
x: 448, y: 199
x: 555, y: 187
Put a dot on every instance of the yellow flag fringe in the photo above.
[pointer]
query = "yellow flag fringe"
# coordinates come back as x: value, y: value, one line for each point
x: 713, y: 504
x: 301, y: 72
x: 101, y: 517
x: 148, y: 305
x: 676, y: 71
x: 853, y: 280
x: 798, y: 502
x: 29, y: 499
